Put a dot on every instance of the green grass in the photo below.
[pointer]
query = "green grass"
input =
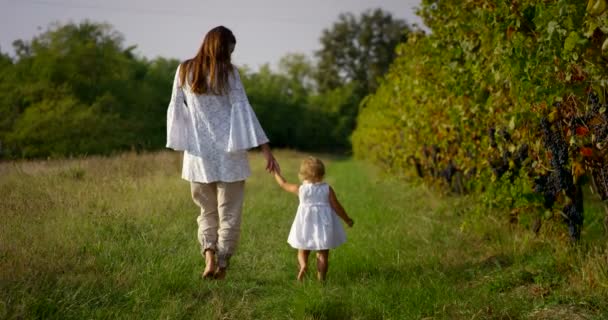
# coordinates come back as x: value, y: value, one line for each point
x: 116, y: 238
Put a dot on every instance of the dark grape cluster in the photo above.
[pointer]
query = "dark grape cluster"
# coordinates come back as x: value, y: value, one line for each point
x: 555, y: 143
x: 598, y: 122
x: 505, y: 134
x: 417, y: 165
x: 548, y: 186
x: 431, y: 164
x: 435, y: 153
x: 520, y: 156
x: 601, y: 130
x: 448, y: 172
x: 600, y: 180
x: 501, y: 166
x: 492, y: 135
x: 574, y: 215
x: 431, y: 158
x: 598, y: 126
x: 560, y: 178
x: 594, y: 100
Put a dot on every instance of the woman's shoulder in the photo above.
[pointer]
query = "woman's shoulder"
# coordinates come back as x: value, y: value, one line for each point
x: 181, y: 67
x: 234, y: 77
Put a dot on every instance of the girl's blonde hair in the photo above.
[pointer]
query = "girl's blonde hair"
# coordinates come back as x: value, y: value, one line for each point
x: 312, y: 169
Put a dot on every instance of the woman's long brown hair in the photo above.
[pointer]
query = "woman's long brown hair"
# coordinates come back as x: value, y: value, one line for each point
x: 208, y: 71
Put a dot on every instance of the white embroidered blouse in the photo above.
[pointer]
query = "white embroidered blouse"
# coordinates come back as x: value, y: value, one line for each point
x: 213, y: 131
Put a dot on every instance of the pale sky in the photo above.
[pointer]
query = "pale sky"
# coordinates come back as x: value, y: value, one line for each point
x: 265, y: 30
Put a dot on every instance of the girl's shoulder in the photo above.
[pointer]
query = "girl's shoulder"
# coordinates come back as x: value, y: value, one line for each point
x: 315, y: 185
x: 309, y: 183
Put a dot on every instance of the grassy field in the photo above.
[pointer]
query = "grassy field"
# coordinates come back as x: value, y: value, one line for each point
x: 116, y: 238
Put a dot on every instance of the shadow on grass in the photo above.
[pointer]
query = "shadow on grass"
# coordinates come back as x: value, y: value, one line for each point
x: 326, y: 310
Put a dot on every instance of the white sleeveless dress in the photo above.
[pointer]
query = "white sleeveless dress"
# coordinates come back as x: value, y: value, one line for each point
x: 316, y: 225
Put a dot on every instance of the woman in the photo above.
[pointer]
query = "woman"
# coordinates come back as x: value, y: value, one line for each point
x: 210, y: 119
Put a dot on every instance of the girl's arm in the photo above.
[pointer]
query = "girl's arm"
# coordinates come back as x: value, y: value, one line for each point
x: 289, y: 187
x: 335, y: 204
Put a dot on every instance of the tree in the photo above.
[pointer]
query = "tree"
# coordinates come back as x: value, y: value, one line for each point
x: 359, y: 50
x: 65, y: 127
x: 355, y: 53
x: 7, y: 109
x: 299, y: 71
x: 75, y: 89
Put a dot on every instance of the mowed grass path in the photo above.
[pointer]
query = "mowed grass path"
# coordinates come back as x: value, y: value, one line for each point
x: 116, y: 238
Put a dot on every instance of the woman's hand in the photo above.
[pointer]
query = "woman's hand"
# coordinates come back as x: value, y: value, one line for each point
x: 271, y: 163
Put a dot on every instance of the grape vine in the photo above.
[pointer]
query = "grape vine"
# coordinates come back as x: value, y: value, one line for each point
x: 510, y: 93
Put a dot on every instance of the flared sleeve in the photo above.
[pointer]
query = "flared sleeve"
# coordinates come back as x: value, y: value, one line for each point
x: 245, y: 129
x: 179, y: 119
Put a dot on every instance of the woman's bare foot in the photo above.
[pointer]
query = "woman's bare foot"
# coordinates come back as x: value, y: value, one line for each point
x: 320, y: 276
x: 209, y: 264
x: 220, y: 274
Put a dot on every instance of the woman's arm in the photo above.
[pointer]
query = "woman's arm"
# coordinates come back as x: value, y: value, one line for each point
x: 289, y: 187
x: 179, y: 124
x: 335, y: 204
x: 245, y: 129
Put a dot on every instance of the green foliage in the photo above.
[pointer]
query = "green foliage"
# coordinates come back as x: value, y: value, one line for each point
x: 65, y: 127
x: 462, y: 104
x: 359, y: 49
x: 84, y: 71
x: 58, y: 83
x: 292, y: 115
x: 75, y: 89
x: 8, y: 112
x: 355, y: 53
x: 299, y: 71
x: 339, y: 107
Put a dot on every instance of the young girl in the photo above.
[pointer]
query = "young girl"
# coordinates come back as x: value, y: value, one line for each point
x: 316, y: 225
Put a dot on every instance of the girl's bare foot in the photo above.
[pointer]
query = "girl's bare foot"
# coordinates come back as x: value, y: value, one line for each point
x: 302, y: 262
x: 301, y: 274
x: 322, y: 264
x: 209, y: 264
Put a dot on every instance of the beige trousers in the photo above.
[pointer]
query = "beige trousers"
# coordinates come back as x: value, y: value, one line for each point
x: 219, y: 224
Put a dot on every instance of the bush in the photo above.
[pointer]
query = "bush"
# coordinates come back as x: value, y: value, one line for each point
x: 510, y: 89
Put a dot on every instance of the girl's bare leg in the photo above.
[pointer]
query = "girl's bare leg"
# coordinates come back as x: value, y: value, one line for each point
x: 302, y: 261
x: 322, y: 264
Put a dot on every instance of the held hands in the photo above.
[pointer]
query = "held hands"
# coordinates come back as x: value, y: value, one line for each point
x: 276, y: 167
x: 272, y: 165
x: 349, y: 222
